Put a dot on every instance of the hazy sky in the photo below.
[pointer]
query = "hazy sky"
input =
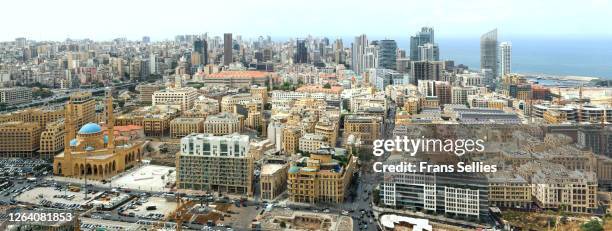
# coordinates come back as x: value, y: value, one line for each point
x: 107, y: 19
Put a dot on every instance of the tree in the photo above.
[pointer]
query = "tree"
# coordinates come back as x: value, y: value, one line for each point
x: 327, y: 86
x: 592, y: 225
x: 283, y: 224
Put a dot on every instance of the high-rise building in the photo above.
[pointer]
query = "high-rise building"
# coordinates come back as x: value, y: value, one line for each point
x: 227, y: 48
x: 488, y: 52
x: 425, y: 70
x: 15, y: 95
x: 426, y: 35
x: 358, y: 50
x: 146, y: 39
x: 200, y: 47
x: 505, y: 50
x: 429, y: 52
x: 217, y: 163
x: 387, y: 54
x: 301, y: 53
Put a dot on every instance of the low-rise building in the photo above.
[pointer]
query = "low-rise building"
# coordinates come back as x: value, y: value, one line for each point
x: 181, y: 127
x: 19, y: 139
x: 273, y: 180
x: 224, y: 123
x: 320, y: 178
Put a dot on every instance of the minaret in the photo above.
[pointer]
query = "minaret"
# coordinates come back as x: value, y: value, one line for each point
x: 69, y: 134
x: 110, y: 119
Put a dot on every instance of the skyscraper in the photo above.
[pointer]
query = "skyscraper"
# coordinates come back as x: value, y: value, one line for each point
x: 357, y: 52
x: 426, y: 35
x: 428, y: 52
x: 488, y: 52
x: 200, y: 47
x: 227, y: 49
x: 387, y: 54
x: 301, y: 53
x: 505, y: 50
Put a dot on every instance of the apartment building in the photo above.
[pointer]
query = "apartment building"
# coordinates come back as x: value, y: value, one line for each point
x: 224, y: 123
x: 181, y: 98
x: 365, y: 128
x: 217, y: 163
x: 180, y: 127
x: 19, y: 139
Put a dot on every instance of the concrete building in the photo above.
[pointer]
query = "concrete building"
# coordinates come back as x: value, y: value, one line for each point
x: 181, y: 127
x: 155, y: 120
x: 509, y: 190
x: 146, y: 92
x: 52, y: 140
x: 273, y: 180
x: 291, y: 139
x: 425, y: 70
x: 240, y: 79
x: 228, y: 46
x: 505, y: 50
x: 216, y: 163
x: 365, y: 128
x: 15, y: 95
x: 463, y: 196
x: 224, y: 123
x: 84, y: 107
x: 181, y: 98
x: 311, y: 143
x: 320, y: 178
x: 19, y: 139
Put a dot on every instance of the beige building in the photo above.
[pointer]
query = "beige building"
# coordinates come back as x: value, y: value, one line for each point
x: 311, y: 143
x: 19, y: 139
x: 507, y: 190
x: 365, y: 128
x: 52, y: 140
x: 273, y: 180
x: 153, y: 119
x: 146, y: 92
x: 181, y: 98
x: 260, y: 92
x: 42, y: 115
x: 229, y: 102
x: 90, y: 154
x: 215, y: 163
x: 291, y: 139
x: 84, y: 107
x: 224, y: 123
x: 329, y: 129
x: 208, y: 105
x: 181, y: 127
x: 320, y: 179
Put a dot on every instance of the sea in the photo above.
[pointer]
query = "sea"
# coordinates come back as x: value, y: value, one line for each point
x: 554, y: 56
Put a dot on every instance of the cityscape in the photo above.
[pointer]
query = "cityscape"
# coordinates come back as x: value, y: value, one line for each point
x: 219, y: 131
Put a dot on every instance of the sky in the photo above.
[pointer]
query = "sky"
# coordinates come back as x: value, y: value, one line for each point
x: 109, y: 19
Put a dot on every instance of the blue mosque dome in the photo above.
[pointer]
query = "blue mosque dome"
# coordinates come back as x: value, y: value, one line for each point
x: 106, y: 139
x: 73, y: 142
x: 90, y: 128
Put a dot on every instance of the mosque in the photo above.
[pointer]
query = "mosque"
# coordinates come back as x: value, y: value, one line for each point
x: 92, y: 153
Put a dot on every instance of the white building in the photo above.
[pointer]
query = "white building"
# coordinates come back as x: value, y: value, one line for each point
x: 182, y: 98
x: 505, y: 51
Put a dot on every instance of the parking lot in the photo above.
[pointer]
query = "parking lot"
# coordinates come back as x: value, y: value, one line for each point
x: 149, y: 207
x: 54, y: 198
